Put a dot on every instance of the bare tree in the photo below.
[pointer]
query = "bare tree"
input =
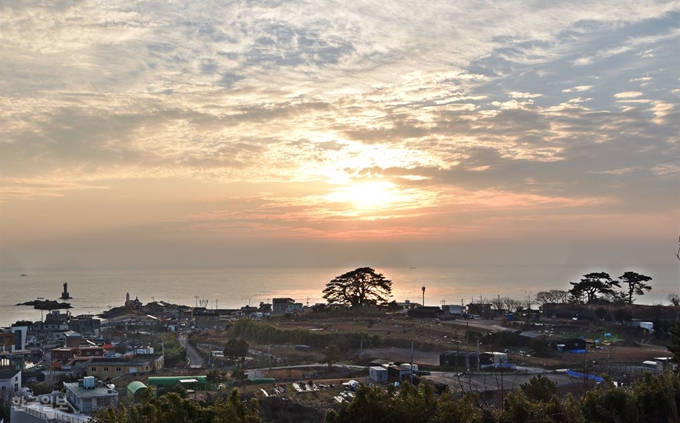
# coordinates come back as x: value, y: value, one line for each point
x: 674, y: 299
x: 498, y: 303
x: 554, y: 296
x: 511, y: 304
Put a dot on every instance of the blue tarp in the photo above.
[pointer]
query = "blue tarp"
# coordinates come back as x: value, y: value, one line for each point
x: 581, y: 376
x: 577, y: 351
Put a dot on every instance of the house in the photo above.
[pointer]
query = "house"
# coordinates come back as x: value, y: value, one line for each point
x: 20, y: 337
x: 56, y: 322
x: 209, y: 320
x: 480, y: 309
x: 456, y: 310
x: 248, y: 310
x: 464, y: 359
x: 88, y: 395
x: 7, y: 341
x: 85, y: 324
x: 265, y: 308
x: 399, y: 372
x: 294, y: 308
x: 425, y: 312
x: 10, y: 380
x: 72, y: 339
x: 65, y: 354
x: 109, y: 368
x: 407, y: 305
x: 147, y: 320
x: 377, y: 374
x: 280, y: 305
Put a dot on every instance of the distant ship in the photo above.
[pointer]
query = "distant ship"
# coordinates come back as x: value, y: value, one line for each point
x: 23, y: 274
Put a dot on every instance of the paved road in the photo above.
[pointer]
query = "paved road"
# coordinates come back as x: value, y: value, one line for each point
x: 487, y: 325
x: 194, y: 359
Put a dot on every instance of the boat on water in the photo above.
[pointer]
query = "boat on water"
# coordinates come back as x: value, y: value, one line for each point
x: 23, y: 274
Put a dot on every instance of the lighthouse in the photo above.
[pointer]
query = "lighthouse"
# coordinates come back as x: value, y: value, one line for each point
x: 65, y: 295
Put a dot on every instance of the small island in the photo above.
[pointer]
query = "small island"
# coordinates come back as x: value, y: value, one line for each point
x: 46, y: 304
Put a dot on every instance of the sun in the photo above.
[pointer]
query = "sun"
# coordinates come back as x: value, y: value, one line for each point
x: 366, y: 195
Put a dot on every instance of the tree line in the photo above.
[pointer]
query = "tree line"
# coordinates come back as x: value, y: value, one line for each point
x: 656, y: 398
x: 600, y: 287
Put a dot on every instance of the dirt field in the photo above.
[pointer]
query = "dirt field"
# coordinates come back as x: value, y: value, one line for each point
x: 431, y: 337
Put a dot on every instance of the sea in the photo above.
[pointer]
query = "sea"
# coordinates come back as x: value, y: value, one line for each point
x: 94, y: 291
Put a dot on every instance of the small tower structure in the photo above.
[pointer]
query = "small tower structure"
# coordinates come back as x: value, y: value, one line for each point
x: 65, y: 295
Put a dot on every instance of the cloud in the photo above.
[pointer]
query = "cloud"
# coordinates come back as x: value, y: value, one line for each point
x: 628, y: 94
x: 578, y: 88
x: 458, y: 107
x: 515, y: 94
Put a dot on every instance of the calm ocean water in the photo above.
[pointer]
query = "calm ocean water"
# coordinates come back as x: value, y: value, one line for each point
x: 96, y: 290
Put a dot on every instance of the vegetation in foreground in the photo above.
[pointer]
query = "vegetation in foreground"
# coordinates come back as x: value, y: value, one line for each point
x: 656, y: 398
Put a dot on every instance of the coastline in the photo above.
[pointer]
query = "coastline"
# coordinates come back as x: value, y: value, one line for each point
x: 96, y: 291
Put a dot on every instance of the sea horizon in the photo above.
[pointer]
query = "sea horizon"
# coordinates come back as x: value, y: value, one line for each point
x: 96, y: 290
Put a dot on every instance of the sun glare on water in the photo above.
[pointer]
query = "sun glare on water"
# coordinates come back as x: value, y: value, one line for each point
x: 367, y: 195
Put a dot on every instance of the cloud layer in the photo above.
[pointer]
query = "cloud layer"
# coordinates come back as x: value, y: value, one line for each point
x: 466, y: 119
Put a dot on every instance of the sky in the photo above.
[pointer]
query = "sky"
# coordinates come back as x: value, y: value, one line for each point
x: 268, y: 133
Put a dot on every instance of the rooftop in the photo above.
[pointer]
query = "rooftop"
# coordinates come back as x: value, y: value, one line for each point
x: 8, y: 373
x: 97, y: 391
x: 117, y: 362
x: 37, y: 409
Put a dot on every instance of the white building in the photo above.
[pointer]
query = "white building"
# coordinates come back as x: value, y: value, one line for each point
x: 377, y: 374
x: 20, y: 335
x: 456, y: 310
x: 52, y: 408
x: 10, y: 380
x: 88, y: 395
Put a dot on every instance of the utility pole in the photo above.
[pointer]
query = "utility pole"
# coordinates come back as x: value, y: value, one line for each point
x: 412, y: 357
x: 423, y: 288
x: 361, y: 348
x: 478, y: 366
